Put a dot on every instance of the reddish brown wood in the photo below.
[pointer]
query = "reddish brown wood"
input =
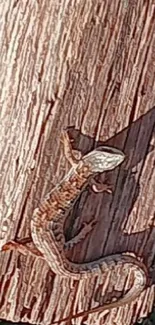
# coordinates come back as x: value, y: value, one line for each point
x: 89, y: 66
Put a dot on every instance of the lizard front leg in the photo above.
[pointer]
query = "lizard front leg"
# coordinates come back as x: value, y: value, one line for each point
x: 99, y: 187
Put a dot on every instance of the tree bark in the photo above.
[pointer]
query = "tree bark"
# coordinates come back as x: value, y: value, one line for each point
x: 88, y: 66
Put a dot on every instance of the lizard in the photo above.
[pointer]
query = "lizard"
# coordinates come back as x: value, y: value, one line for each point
x: 48, y: 222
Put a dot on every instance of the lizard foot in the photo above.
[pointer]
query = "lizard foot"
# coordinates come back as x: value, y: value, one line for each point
x: 86, y: 229
x: 100, y: 187
x: 22, y: 248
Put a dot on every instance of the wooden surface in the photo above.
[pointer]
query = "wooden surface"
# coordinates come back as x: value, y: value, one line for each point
x: 88, y: 66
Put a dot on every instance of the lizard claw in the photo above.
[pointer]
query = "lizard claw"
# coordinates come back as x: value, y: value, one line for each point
x: 10, y: 245
x: 86, y: 229
x: 100, y: 187
x: 89, y: 225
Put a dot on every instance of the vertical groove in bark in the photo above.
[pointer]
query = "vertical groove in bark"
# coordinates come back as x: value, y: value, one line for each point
x: 88, y: 64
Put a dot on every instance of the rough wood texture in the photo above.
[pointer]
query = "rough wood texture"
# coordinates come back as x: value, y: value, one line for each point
x: 88, y: 64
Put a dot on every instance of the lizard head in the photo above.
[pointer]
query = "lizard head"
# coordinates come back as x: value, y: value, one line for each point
x: 104, y: 158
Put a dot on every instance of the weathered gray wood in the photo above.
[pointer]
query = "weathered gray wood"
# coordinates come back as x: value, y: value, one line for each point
x: 88, y: 65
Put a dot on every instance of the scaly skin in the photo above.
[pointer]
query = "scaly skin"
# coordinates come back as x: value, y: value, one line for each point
x: 48, y: 222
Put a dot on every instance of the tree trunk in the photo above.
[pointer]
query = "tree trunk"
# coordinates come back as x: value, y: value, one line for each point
x: 88, y: 66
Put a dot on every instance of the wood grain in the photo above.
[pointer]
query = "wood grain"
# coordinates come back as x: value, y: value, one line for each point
x: 88, y: 65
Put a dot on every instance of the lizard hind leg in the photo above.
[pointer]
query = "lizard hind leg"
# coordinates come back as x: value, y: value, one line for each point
x: 86, y: 229
x: 22, y: 248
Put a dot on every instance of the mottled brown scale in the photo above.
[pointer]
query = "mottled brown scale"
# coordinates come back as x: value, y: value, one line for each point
x: 48, y: 222
x: 49, y: 238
